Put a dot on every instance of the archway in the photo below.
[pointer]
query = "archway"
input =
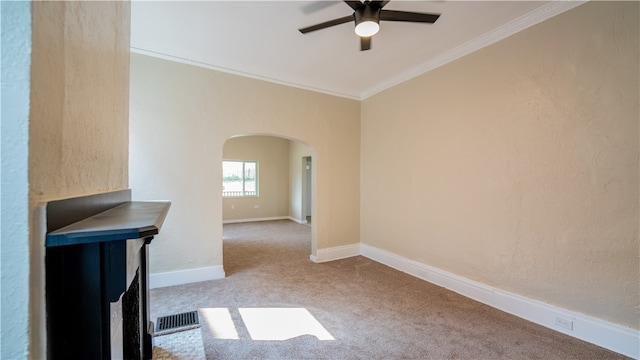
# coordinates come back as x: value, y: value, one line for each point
x: 265, y: 177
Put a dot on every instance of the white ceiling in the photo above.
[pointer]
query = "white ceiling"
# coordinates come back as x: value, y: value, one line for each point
x: 260, y: 39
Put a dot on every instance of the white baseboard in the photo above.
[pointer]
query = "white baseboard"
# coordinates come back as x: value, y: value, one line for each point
x: 180, y: 277
x: 608, y: 335
x: 299, y: 221
x: 234, y: 221
x: 336, y: 253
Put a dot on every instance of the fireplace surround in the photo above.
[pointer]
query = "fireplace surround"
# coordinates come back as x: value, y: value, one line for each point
x: 97, y: 276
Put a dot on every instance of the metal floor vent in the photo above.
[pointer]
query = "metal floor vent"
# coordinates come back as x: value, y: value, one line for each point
x: 177, y: 321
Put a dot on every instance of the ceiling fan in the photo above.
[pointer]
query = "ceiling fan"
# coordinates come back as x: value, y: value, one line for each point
x: 367, y: 16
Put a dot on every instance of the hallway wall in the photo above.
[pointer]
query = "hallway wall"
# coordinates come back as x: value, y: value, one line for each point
x: 297, y: 151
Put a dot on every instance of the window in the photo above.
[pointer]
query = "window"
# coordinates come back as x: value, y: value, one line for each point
x: 239, y: 178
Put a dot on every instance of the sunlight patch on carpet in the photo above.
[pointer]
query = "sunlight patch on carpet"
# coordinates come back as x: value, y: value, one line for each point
x: 220, y: 323
x: 282, y: 323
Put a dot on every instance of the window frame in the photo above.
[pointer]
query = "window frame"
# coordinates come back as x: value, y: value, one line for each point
x: 244, y: 180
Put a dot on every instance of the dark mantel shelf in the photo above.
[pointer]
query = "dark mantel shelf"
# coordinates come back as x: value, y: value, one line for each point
x: 130, y: 220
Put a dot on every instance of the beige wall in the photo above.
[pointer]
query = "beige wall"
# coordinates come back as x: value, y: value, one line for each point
x: 78, y: 132
x: 272, y: 155
x: 517, y: 166
x: 181, y: 116
x: 79, y: 99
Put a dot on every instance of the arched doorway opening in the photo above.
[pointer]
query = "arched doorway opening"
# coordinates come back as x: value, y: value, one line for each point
x: 266, y: 178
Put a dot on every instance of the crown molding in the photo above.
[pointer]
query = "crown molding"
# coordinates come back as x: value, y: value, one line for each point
x: 534, y: 17
x: 166, y: 54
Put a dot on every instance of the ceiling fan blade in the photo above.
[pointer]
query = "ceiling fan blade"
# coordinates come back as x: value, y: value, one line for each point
x: 354, y: 4
x: 327, y: 24
x: 392, y: 15
x: 365, y: 43
x: 380, y: 3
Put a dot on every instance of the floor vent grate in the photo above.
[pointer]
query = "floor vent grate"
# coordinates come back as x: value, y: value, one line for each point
x: 177, y: 321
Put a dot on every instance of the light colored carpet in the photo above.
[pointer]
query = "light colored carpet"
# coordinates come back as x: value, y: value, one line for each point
x: 181, y: 345
x: 276, y: 304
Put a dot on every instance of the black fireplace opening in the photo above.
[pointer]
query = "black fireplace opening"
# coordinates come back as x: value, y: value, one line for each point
x: 131, y: 320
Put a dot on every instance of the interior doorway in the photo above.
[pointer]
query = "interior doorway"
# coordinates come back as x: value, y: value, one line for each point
x: 306, y: 189
x: 279, y: 185
x: 283, y: 189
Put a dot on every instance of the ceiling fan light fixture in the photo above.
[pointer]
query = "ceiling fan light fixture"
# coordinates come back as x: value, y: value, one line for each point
x: 367, y: 28
x: 367, y: 19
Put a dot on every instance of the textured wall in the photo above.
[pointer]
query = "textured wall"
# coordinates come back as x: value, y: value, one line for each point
x: 517, y: 166
x: 272, y: 154
x: 181, y: 116
x: 80, y: 87
x: 78, y: 133
x: 15, y: 18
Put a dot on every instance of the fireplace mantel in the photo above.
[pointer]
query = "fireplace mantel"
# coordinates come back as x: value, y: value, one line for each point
x: 131, y: 220
x: 96, y: 260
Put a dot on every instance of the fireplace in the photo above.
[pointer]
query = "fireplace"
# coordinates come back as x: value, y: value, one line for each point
x: 97, y: 276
